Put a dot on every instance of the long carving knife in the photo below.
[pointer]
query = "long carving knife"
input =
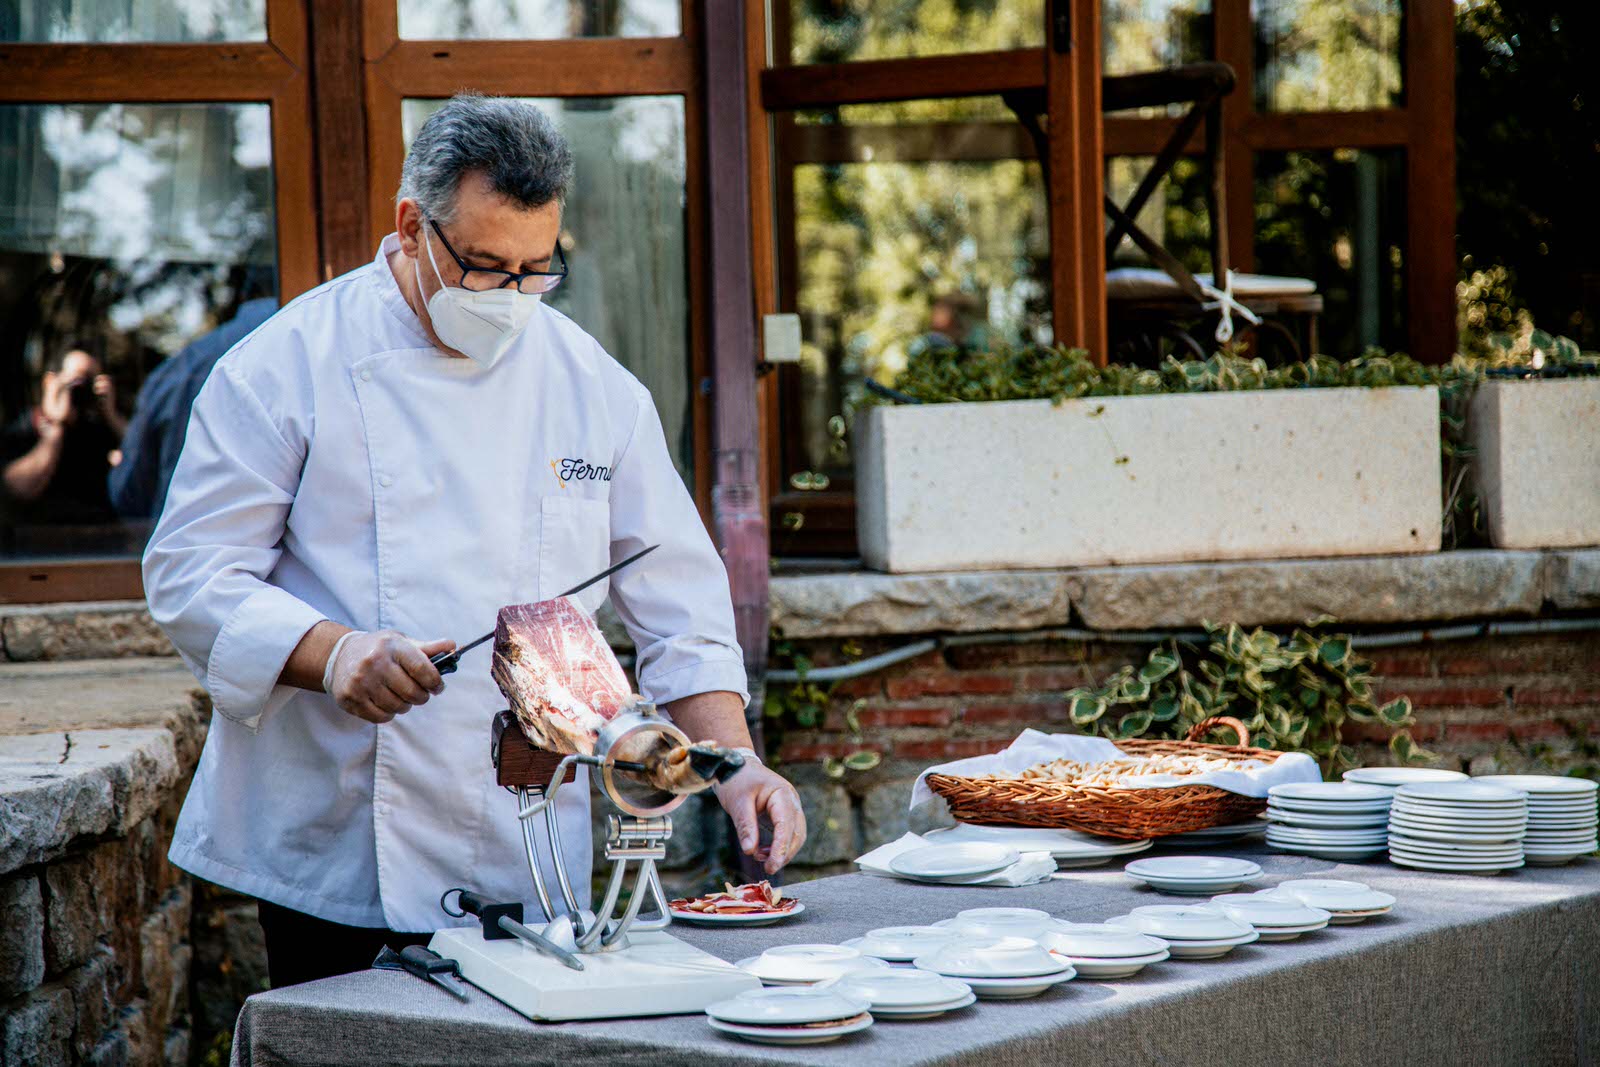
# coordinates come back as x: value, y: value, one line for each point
x: 446, y: 662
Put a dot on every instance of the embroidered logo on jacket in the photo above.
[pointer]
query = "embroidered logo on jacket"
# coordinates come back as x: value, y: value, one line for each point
x: 578, y: 470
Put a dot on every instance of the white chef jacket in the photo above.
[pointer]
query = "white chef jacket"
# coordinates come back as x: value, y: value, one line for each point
x: 338, y: 466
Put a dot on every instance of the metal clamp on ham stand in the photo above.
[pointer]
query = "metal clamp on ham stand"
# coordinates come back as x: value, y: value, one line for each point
x: 586, y: 964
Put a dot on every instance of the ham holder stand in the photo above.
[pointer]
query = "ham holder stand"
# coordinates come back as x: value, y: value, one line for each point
x: 584, y: 964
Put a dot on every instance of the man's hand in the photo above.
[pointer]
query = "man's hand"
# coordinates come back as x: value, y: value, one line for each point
x: 757, y: 791
x: 376, y: 676
x: 105, y: 391
x: 55, y: 401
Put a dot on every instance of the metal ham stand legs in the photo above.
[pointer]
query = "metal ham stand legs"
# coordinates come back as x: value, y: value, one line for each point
x: 589, y: 964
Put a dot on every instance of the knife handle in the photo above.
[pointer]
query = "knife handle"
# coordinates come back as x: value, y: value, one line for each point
x: 445, y: 662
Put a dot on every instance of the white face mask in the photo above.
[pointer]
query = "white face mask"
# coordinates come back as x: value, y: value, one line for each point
x: 479, y: 325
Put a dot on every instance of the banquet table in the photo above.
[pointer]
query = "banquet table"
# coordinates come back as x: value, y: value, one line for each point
x: 1466, y: 970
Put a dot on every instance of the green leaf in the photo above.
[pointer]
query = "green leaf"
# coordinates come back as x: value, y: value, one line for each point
x: 1159, y: 665
x: 1134, y: 724
x: 1334, y: 650
x: 1361, y: 711
x: 1397, y: 712
x: 1165, y: 709
x: 865, y: 760
x: 833, y: 768
x: 1135, y: 691
x: 1280, y: 722
x: 1309, y: 697
x: 1083, y: 710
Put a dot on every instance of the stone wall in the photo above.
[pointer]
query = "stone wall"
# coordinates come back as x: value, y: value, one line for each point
x: 1505, y: 704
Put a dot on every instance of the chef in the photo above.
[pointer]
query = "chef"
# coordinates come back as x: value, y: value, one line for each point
x: 372, y: 474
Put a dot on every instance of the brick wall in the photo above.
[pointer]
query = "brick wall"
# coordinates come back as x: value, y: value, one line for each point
x: 1502, y: 704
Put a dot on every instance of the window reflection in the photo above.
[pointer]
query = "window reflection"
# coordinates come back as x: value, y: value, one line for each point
x: 1315, y: 56
x: 904, y: 253
x: 1176, y: 216
x: 1338, y: 218
x: 126, y: 21
x: 126, y: 233
x: 458, y: 20
x: 1144, y: 35
x: 623, y: 235
x: 834, y: 31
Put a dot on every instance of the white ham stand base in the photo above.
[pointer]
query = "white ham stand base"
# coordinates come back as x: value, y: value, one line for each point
x: 655, y: 975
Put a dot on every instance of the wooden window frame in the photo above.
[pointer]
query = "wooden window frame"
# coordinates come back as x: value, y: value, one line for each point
x: 273, y: 72
x: 1421, y: 128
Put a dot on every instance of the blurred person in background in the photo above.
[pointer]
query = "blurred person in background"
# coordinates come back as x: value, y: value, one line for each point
x: 55, y: 456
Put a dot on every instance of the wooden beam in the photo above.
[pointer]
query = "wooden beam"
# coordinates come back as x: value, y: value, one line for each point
x: 293, y: 155
x: 1431, y: 180
x: 598, y: 66
x: 343, y: 216
x: 883, y: 80
x: 141, y: 73
x: 736, y: 432
x: 1313, y: 130
x: 762, y: 227
x: 58, y: 581
x: 913, y: 142
x: 1235, y: 46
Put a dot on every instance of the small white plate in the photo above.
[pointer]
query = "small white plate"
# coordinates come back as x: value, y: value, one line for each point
x: 1102, y: 968
x: 1002, y: 957
x: 1394, y: 777
x: 1334, y: 895
x: 926, y: 1011
x: 1197, y: 889
x: 1338, y: 853
x: 1407, y: 818
x: 901, y: 989
x: 1467, y: 792
x: 1212, y: 835
x: 1207, y: 949
x: 805, y: 964
x: 1487, y: 837
x: 1320, y: 835
x: 790, y: 1035
x: 787, y: 1007
x: 1328, y: 822
x: 1193, y: 868
x: 1061, y: 844
x: 1328, y: 792
x: 696, y: 918
x: 1188, y: 922
x: 1317, y: 807
x: 954, y: 861
x: 1454, y: 868
x: 900, y: 944
x: 1543, y: 784
x: 1101, y: 941
x: 1018, y: 988
x: 1262, y: 912
x: 1454, y: 853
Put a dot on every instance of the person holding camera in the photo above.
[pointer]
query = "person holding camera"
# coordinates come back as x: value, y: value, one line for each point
x: 54, y: 458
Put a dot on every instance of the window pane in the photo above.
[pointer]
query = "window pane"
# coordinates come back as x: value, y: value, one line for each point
x: 1339, y: 219
x: 623, y: 235
x: 126, y: 231
x: 933, y: 241
x: 1176, y: 216
x: 1143, y: 35
x: 833, y: 31
x: 537, y: 20
x: 1316, y: 56
x: 124, y: 21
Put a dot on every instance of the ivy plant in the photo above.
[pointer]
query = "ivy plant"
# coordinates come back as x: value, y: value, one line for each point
x: 804, y: 704
x: 1293, y: 694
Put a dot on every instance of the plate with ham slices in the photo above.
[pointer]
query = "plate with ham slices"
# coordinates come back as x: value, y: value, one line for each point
x: 752, y: 904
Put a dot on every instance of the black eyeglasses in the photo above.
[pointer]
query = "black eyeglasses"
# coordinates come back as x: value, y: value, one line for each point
x: 484, y: 279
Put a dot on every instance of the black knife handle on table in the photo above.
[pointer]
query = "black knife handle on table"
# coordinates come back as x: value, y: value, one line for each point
x: 423, y: 961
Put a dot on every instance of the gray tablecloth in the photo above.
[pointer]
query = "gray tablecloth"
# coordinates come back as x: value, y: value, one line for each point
x: 1467, y: 970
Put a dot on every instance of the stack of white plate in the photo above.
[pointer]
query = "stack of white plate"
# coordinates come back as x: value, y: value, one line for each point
x: 1101, y: 950
x: 790, y: 1016
x: 1462, y: 827
x: 1069, y: 848
x: 1002, y: 968
x: 1191, y: 933
x: 998, y: 922
x: 1345, y: 902
x: 1214, y: 835
x: 1274, y: 918
x: 901, y: 944
x: 1393, y: 778
x: 906, y: 993
x: 954, y: 864
x: 1200, y: 876
x: 1329, y: 820
x: 798, y: 965
x: 1562, y: 818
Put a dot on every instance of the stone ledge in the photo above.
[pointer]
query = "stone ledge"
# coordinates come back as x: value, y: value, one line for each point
x: 864, y: 602
x: 1359, y: 590
x: 30, y: 633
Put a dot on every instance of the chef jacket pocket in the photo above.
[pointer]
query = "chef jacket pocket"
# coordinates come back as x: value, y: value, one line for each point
x: 574, y: 544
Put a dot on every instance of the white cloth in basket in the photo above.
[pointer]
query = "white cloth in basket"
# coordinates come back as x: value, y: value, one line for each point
x: 1033, y: 746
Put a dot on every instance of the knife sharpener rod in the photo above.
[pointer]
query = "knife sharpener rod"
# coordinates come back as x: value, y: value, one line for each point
x: 539, y: 941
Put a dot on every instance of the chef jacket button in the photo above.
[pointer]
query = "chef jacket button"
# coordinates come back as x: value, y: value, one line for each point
x: 366, y: 376
x: 386, y: 481
x: 390, y: 593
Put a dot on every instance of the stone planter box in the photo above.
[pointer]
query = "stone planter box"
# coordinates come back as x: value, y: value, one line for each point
x: 1537, y: 466
x: 1149, y: 479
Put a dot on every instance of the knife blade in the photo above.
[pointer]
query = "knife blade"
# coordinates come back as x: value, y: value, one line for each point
x: 446, y: 662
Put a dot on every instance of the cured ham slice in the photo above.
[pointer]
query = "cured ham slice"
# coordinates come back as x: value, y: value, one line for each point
x: 559, y: 674
x: 564, y: 684
x: 752, y: 898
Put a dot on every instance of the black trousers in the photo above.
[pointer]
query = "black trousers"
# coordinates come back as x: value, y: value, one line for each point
x: 303, y: 948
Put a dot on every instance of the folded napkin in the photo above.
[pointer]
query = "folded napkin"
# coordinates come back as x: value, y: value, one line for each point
x: 1030, y: 869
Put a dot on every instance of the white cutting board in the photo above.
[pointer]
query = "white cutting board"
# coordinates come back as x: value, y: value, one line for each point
x: 655, y: 975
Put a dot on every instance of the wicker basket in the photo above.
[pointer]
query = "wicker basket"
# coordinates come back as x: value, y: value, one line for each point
x: 1125, y: 813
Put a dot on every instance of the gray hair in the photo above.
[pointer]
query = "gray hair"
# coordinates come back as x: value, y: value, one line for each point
x: 513, y: 144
